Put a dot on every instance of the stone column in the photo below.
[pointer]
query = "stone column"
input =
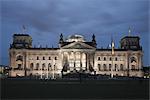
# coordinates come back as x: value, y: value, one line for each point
x: 93, y: 61
x: 24, y: 63
x: 81, y: 60
x: 87, y: 61
x: 139, y: 61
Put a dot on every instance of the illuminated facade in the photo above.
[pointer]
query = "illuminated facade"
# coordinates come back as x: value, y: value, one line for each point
x: 75, y: 55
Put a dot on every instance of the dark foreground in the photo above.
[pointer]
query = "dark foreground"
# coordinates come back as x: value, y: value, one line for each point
x: 67, y: 89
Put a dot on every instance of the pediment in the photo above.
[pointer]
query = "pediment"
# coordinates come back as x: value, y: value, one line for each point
x: 78, y: 45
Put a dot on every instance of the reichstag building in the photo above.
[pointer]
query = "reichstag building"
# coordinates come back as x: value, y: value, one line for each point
x: 74, y: 54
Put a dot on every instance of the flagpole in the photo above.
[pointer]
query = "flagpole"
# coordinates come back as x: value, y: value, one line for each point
x: 112, y: 46
x: 24, y: 29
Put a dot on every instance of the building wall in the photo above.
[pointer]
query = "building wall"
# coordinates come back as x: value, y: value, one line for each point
x: 54, y: 60
x: 75, y: 54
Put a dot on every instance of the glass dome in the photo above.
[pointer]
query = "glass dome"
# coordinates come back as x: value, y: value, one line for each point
x: 75, y: 38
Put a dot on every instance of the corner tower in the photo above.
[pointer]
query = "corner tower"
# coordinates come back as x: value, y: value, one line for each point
x: 21, y: 41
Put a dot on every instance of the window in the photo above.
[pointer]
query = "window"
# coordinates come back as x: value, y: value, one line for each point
x: 104, y: 58
x: 99, y: 58
x: 133, y: 59
x: 19, y: 58
x: 43, y: 58
x: 37, y: 66
x: 37, y: 58
x: 133, y: 67
x: 31, y: 66
x: 116, y: 67
x: 105, y: 67
x: 19, y: 66
x: 43, y: 66
x: 55, y: 67
x: 55, y: 58
x: 110, y: 58
x: 99, y: 67
x: 116, y: 59
x: 109, y: 67
x: 49, y: 58
x: 49, y: 66
x: 121, y: 67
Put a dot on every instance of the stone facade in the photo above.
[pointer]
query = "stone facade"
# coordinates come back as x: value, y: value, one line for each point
x: 75, y: 55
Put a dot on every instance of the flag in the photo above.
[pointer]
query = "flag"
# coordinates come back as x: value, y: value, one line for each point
x: 113, y: 47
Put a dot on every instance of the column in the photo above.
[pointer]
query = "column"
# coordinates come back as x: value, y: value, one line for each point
x: 74, y: 60
x: 87, y: 61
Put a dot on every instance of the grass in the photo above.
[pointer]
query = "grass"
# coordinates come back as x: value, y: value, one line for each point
x: 100, y: 89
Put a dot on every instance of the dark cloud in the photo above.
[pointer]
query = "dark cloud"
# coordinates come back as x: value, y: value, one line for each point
x: 75, y: 15
x: 52, y: 17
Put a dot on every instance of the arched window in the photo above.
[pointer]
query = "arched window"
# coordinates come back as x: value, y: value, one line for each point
x: 133, y: 63
x: 31, y: 66
x: 37, y: 66
x: 116, y: 69
x: 99, y: 58
x: 105, y: 67
x: 43, y: 58
x: 116, y: 58
x: 55, y: 58
x: 110, y: 58
x: 49, y: 58
x: 99, y: 67
x: 133, y: 59
x: 19, y: 58
x: 37, y: 58
x: 104, y: 58
x: 49, y: 66
x: 43, y: 66
x: 121, y: 67
x: 109, y: 67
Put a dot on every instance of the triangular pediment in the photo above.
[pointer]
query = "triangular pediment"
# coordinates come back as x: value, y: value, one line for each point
x: 78, y: 45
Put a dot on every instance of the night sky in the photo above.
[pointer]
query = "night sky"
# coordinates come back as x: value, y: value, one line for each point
x: 46, y: 19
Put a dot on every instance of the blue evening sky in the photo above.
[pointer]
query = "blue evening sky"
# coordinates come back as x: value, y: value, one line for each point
x: 46, y: 19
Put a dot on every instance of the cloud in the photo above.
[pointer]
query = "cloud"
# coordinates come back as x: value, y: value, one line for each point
x: 101, y: 17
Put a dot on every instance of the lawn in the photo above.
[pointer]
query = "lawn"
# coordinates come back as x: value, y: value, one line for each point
x: 67, y: 89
